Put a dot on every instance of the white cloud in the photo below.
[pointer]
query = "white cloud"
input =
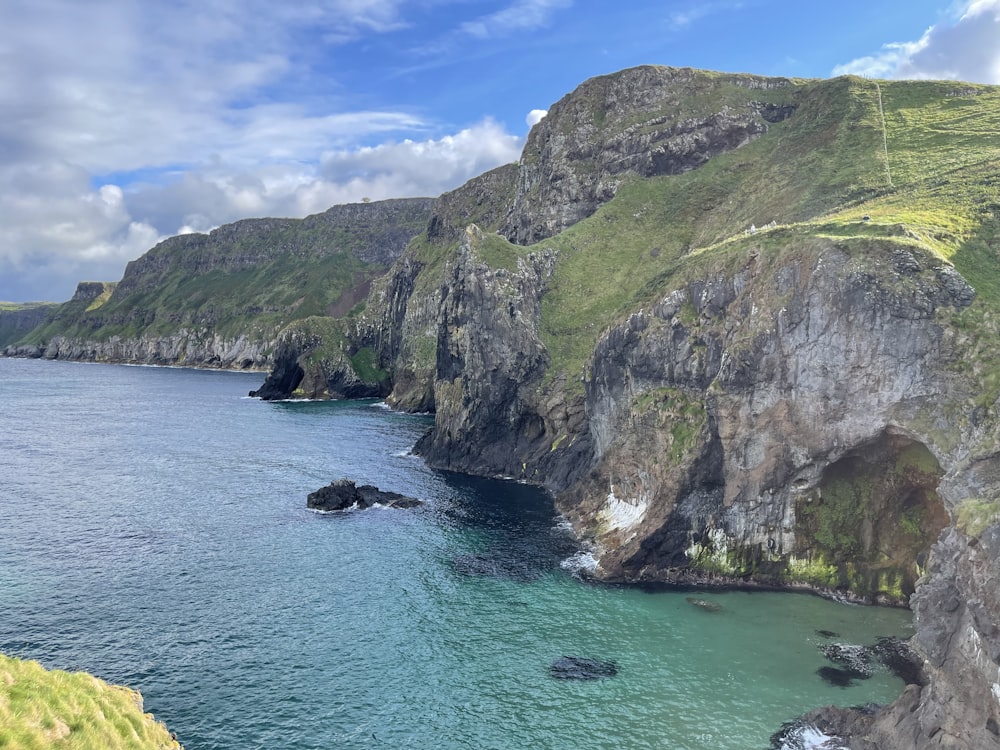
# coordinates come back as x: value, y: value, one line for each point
x: 170, y: 115
x: 679, y: 20
x: 535, y: 116
x: 966, y: 49
x: 56, y: 229
x: 522, y: 15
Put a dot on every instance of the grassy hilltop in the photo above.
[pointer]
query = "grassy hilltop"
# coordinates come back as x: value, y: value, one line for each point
x: 921, y: 170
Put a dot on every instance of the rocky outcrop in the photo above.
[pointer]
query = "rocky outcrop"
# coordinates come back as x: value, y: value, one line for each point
x: 958, y: 706
x: 315, y: 360
x: 644, y: 121
x: 490, y: 362
x: 343, y: 494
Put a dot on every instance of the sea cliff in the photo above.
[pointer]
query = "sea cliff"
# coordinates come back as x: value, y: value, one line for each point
x: 739, y: 350
x: 221, y: 299
x: 744, y: 330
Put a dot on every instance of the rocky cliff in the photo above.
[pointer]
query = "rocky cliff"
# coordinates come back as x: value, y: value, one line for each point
x: 700, y: 312
x: 18, y: 320
x: 221, y: 299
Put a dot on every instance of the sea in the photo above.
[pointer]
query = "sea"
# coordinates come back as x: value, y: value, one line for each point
x: 154, y: 532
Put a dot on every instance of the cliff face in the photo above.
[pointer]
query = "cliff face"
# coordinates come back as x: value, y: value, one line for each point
x: 698, y: 312
x: 222, y: 299
x: 783, y: 419
x: 16, y: 321
x: 777, y: 420
x: 644, y: 121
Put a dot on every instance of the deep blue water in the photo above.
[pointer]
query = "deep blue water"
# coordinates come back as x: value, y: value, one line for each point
x: 154, y: 532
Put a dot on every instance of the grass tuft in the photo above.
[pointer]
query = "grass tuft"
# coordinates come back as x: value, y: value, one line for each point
x: 52, y: 709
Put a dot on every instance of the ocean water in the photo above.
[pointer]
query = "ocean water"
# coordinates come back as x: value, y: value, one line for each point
x: 154, y: 532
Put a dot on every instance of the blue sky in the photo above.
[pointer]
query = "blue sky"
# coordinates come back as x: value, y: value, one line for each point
x: 127, y: 121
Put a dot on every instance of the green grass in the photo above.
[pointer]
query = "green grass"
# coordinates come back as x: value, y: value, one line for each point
x: 975, y: 515
x: 816, y: 174
x: 248, y: 278
x: 48, y: 710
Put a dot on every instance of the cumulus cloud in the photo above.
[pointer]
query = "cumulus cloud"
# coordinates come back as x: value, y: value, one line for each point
x: 522, y: 15
x: 965, y: 49
x: 535, y: 116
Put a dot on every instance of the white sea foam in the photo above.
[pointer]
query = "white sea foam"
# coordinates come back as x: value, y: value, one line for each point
x: 583, y: 563
x: 808, y: 737
x: 563, y: 524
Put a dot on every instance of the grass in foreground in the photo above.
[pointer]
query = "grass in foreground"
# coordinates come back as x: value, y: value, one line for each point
x: 42, y: 708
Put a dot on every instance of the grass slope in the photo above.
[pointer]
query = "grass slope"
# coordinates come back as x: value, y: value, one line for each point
x: 43, y: 709
x: 816, y: 174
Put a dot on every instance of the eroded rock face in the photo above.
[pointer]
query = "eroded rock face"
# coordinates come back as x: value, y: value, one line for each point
x: 616, y: 125
x: 725, y: 417
x: 490, y: 361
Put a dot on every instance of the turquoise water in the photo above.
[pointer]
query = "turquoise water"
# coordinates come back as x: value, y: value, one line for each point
x: 155, y: 533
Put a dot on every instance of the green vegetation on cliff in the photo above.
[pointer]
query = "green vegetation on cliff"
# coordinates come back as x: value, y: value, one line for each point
x: 48, y: 710
x: 822, y: 172
x: 250, y: 278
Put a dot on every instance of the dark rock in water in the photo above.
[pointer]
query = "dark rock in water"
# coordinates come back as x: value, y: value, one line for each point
x: 899, y: 658
x: 855, y: 661
x: 826, y: 727
x: 342, y: 494
x: 827, y: 634
x: 840, y: 677
x: 704, y: 604
x: 580, y: 668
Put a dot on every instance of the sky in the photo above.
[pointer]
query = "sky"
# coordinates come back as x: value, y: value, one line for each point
x: 123, y: 122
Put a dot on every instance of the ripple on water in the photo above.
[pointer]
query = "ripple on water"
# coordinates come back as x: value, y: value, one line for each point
x: 156, y: 533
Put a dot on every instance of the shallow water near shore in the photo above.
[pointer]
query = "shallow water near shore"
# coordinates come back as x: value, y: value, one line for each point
x: 155, y: 533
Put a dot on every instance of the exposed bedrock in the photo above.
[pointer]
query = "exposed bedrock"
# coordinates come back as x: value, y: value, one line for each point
x: 614, y: 126
x: 791, y: 421
x: 787, y: 422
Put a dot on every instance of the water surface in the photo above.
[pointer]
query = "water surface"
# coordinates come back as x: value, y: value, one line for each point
x: 155, y: 533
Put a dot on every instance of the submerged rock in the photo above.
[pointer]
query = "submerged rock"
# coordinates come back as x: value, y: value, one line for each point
x: 581, y: 668
x: 704, y: 604
x: 854, y: 658
x: 855, y: 662
x: 342, y: 494
x: 897, y: 656
x: 841, y: 677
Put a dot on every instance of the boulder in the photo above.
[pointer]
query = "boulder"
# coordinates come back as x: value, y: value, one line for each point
x: 343, y: 494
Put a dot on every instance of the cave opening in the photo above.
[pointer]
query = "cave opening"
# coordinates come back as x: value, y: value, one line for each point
x: 874, y: 515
